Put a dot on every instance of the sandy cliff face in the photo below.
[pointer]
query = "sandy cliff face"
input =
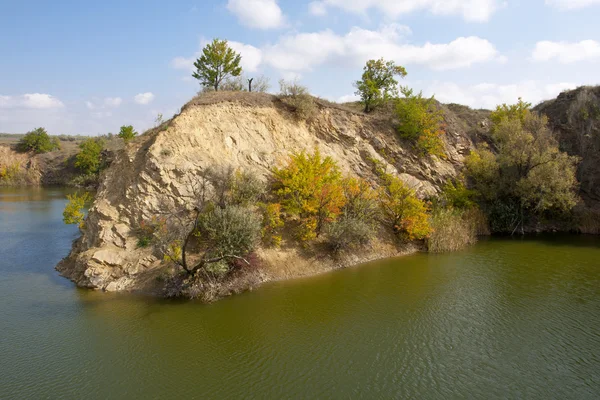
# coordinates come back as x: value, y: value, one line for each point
x: 252, y: 131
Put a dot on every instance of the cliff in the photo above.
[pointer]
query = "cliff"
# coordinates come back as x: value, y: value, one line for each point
x: 253, y: 132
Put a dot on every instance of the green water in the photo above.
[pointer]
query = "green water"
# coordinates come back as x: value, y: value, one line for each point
x: 505, y: 319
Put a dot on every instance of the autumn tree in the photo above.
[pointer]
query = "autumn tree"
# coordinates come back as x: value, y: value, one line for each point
x: 217, y: 62
x: 528, y: 175
x: 378, y: 82
x: 74, y: 211
x: 402, y: 210
x: 309, y: 187
x: 127, y: 133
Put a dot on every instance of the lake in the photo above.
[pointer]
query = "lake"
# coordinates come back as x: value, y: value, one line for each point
x: 507, y: 318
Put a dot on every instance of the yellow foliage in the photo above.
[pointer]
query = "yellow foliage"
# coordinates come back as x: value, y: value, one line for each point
x: 271, y: 224
x: 74, y: 209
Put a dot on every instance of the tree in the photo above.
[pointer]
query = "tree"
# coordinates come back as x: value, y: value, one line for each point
x: 514, y: 111
x: 529, y: 176
x: 421, y: 122
x: 74, y: 212
x: 310, y: 188
x: 218, y: 62
x: 378, y: 83
x: 38, y: 141
x: 401, y: 210
x: 221, y: 227
x: 89, y: 158
x: 127, y: 133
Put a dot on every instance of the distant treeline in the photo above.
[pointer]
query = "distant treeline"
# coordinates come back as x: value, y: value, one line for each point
x: 64, y: 138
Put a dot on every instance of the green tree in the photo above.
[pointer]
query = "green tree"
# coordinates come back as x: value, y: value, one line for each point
x: 217, y: 62
x: 378, y: 83
x: 38, y: 141
x: 421, y: 122
x: 529, y: 176
x: 513, y: 111
x: 127, y: 133
x: 89, y: 159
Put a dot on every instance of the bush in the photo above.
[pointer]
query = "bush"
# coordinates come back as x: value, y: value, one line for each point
x: 271, y: 224
x: 233, y: 231
x: 421, y: 122
x: 347, y: 233
x: 74, y: 209
x: 402, y: 211
x: 456, y: 195
x: 378, y: 83
x: 297, y: 96
x: 38, y: 141
x: 309, y: 187
x: 89, y: 158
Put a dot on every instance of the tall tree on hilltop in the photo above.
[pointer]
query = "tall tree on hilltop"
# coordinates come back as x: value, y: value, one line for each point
x: 378, y: 83
x: 218, y: 62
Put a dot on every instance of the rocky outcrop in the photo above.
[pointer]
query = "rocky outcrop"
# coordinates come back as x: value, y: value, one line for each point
x: 249, y: 131
x: 575, y: 117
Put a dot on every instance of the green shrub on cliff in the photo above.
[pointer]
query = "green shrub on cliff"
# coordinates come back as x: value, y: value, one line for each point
x: 74, y: 212
x: 89, y: 159
x: 378, y: 83
x: 127, y: 133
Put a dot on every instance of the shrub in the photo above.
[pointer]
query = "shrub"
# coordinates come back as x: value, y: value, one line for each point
x: 127, y: 133
x: 74, y: 212
x: 456, y: 195
x: 510, y: 112
x: 271, y: 224
x: 421, y: 122
x: 89, y: 158
x: 310, y: 188
x: 402, y: 211
x: 232, y: 231
x: 360, y: 200
x: 348, y: 232
x: 38, y: 141
x: 298, y: 98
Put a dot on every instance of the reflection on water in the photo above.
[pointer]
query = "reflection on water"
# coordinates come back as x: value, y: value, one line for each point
x: 506, y: 319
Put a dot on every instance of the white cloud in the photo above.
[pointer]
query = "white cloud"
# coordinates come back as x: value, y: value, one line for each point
x: 144, y: 98
x: 347, y: 98
x: 317, y: 8
x: 260, y: 14
x: 571, y: 4
x: 306, y: 50
x: 489, y: 95
x: 251, y: 57
x: 567, y: 52
x: 470, y: 10
x: 31, y: 100
x: 90, y: 105
x: 113, y: 101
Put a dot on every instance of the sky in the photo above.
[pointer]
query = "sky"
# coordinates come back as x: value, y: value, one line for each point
x: 79, y: 67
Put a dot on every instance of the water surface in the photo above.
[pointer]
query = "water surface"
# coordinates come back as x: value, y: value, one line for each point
x: 505, y: 319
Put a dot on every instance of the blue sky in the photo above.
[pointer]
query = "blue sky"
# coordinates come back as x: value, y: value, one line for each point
x: 79, y: 67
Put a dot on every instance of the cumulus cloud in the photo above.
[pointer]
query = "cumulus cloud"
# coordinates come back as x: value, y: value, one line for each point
x: 489, y: 95
x: 567, y: 52
x: 259, y: 14
x: 304, y: 51
x: 571, y: 4
x: 144, y: 98
x: 31, y: 100
x: 113, y: 101
x: 251, y: 57
x: 470, y: 10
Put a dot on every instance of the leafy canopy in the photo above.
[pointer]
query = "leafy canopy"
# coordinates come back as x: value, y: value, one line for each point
x: 89, y: 159
x: 38, y: 141
x: 310, y: 188
x: 378, y: 82
x: 217, y: 62
x: 127, y: 133
x: 528, y: 176
x: 75, y: 207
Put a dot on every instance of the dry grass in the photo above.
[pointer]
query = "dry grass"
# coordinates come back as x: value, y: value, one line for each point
x: 454, y: 230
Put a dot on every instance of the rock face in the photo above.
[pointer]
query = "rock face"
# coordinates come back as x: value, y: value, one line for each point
x: 250, y: 131
x: 575, y: 116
